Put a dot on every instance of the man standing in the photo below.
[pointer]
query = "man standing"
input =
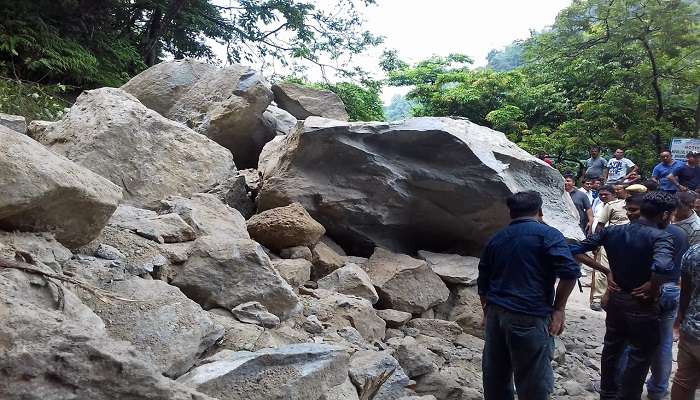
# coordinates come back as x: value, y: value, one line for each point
x: 619, y: 168
x: 583, y: 206
x: 522, y: 311
x: 639, y: 252
x: 686, y: 218
x: 687, y: 177
x: 595, y: 165
x: 687, y: 378
x: 587, y: 189
x: 664, y: 170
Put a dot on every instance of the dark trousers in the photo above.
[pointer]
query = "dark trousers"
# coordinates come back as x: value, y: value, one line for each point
x: 634, y: 324
x: 517, y: 346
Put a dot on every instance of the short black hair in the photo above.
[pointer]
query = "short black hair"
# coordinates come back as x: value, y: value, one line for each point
x: 524, y: 204
x: 651, y: 185
x: 687, y: 198
x: 595, y: 148
x: 655, y: 203
x: 569, y: 175
x: 636, y: 199
x: 607, y: 188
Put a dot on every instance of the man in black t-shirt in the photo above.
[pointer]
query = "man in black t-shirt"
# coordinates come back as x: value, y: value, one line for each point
x: 688, y: 176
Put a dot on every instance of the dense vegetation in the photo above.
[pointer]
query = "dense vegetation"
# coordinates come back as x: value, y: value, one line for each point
x: 609, y: 73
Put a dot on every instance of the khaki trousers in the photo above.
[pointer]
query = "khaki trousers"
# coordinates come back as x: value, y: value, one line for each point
x: 599, y: 283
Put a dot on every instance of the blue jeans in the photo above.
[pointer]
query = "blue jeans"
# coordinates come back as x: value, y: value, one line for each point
x: 517, y: 346
x: 661, y: 362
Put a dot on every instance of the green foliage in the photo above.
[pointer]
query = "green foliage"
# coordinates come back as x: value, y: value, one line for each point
x: 507, y: 59
x: 614, y: 74
x: 362, y: 101
x: 32, y: 101
x: 399, y: 108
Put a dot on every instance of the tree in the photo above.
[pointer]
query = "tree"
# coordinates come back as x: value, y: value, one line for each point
x: 361, y: 100
x: 399, y: 108
x: 507, y: 59
x: 104, y: 42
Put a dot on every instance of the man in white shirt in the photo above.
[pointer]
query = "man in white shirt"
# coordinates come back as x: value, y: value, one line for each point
x: 619, y: 168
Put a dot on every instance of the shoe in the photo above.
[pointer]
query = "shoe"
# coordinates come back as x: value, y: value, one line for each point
x: 595, y: 306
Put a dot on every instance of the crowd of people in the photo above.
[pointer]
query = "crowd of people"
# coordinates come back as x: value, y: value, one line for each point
x: 643, y: 246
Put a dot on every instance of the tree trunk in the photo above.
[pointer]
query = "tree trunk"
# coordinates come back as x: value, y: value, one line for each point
x: 657, y: 90
x: 157, y: 26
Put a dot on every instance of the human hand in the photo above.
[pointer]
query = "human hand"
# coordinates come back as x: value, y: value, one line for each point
x: 556, y: 326
x: 612, y: 285
x: 642, y: 292
x: 682, y: 188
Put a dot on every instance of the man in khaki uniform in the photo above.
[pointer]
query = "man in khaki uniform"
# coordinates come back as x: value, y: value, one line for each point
x: 613, y: 212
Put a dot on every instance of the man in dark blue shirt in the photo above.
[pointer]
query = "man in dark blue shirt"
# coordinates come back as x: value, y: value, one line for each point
x: 517, y: 272
x: 641, y: 259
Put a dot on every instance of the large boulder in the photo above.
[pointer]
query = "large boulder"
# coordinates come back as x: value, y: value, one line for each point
x: 208, y: 215
x: 302, y: 101
x: 225, y: 272
x: 225, y: 104
x: 405, y: 283
x: 284, y: 227
x: 111, y: 133
x: 169, y: 329
x: 294, y: 372
x: 366, y: 365
x: 44, y: 192
x: 350, y: 279
x: 53, y: 350
x: 15, y: 122
x: 381, y: 184
x: 338, y: 310
x: 452, y: 268
x: 279, y: 120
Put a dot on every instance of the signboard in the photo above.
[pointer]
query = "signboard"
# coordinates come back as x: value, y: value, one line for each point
x: 680, y: 147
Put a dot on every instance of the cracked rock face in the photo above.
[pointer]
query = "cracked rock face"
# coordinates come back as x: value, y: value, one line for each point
x: 380, y: 184
x: 111, y: 133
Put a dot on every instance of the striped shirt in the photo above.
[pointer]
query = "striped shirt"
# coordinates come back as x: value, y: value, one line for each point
x: 691, y: 226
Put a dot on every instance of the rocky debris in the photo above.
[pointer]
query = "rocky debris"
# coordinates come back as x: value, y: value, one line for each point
x: 339, y: 310
x: 333, y: 245
x: 295, y: 372
x: 207, y: 215
x: 369, y: 364
x: 303, y: 102
x: 225, y: 104
x: 415, y: 359
x: 15, y: 122
x: 296, y: 252
x: 140, y: 255
x: 463, y: 307
x: 108, y: 252
x: 234, y: 193
x: 109, y: 132
x: 429, y: 397
x: 225, y: 272
x: 49, y: 354
x: 345, y: 391
x: 168, y: 329
x: 165, y: 228
x: 325, y: 260
x: 452, y: 268
x: 313, y: 325
x: 445, y: 385
x: 252, y: 180
x: 36, y: 129
x: 253, y: 312
x: 237, y: 335
x: 378, y: 187
x: 43, y: 192
x: 394, y: 318
x: 437, y: 328
x: 295, y: 271
x: 41, y: 247
x: 405, y: 283
x: 352, y: 280
x: 279, y: 121
x: 283, y: 227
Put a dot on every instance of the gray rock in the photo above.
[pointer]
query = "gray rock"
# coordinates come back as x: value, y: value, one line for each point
x: 165, y: 228
x: 415, y: 359
x: 295, y: 372
x: 559, y: 350
x: 15, y: 122
x: 41, y: 247
x: 237, y: 335
x: 325, y: 260
x: 352, y: 280
x: 438, y: 328
x: 295, y: 272
x: 53, y: 354
x: 284, y: 227
x: 234, y: 193
x: 394, y: 318
x: 463, y: 307
x: 109, y: 253
x: 312, y: 325
x: 303, y: 102
x: 169, y: 329
x: 429, y: 397
x: 150, y: 157
x: 339, y: 310
x: 43, y: 192
x: 297, y: 252
x: 225, y: 104
x: 452, y: 268
x: 345, y: 391
x: 413, y: 200
x: 225, y: 272
x: 253, y: 312
x: 279, y: 121
x: 207, y: 215
x: 405, y: 283
x: 369, y: 364
x: 36, y: 129
x: 573, y: 388
x: 442, y: 385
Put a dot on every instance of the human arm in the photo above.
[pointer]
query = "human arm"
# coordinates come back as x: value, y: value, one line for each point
x: 634, y: 168
x: 655, y: 174
x: 589, y: 215
x: 589, y: 244
x: 484, y: 279
x: 564, y: 288
x: 686, y: 292
x: 673, y: 178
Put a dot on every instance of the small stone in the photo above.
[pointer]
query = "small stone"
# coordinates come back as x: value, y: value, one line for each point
x: 297, y: 252
x: 253, y: 312
x: 394, y: 318
x: 313, y: 325
x: 573, y: 388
